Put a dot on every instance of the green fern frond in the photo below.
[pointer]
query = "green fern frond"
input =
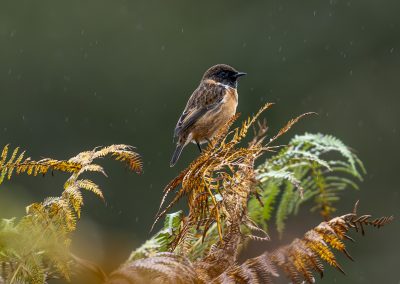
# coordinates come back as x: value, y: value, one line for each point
x: 261, y: 208
x: 285, y: 207
x: 305, y: 163
x: 320, y: 144
x: 32, y: 247
x: 160, y: 241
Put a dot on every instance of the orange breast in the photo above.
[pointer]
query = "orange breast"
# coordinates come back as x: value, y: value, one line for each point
x: 231, y: 102
x: 210, y: 123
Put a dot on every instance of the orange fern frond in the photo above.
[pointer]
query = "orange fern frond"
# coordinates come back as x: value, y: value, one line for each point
x: 17, y: 163
x: 302, y: 257
x: 90, y: 186
x: 119, y: 152
x: 123, y: 153
x: 81, y: 162
x: 74, y: 195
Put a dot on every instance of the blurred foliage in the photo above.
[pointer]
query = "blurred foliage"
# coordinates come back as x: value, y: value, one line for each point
x: 36, y: 248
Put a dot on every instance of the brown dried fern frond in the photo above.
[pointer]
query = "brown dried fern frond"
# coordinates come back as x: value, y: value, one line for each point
x: 218, y: 185
x: 288, y: 125
x: 303, y: 257
x: 167, y: 268
x: 215, y: 169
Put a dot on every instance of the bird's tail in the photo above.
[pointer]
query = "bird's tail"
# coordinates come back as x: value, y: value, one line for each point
x: 177, y: 153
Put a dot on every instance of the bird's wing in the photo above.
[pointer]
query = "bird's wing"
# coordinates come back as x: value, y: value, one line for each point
x: 205, y: 98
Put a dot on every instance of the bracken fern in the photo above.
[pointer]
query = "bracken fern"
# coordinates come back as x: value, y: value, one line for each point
x: 319, y: 166
x: 36, y: 248
x: 231, y: 201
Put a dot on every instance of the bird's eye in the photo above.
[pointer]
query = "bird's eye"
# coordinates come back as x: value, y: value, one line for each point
x: 223, y: 74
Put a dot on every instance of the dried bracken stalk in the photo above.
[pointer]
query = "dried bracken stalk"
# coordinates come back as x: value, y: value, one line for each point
x: 288, y: 125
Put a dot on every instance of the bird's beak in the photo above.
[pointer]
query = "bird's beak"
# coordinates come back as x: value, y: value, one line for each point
x: 240, y: 74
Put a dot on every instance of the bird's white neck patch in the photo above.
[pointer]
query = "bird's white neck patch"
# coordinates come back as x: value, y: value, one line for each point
x: 226, y: 87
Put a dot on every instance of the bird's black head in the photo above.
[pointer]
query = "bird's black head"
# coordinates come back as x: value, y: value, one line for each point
x: 223, y: 74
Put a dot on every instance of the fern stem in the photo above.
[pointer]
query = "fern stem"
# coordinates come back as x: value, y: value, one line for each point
x: 16, y: 273
x: 217, y: 217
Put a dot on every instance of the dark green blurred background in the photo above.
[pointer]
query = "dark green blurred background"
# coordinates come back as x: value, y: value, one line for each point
x: 78, y: 74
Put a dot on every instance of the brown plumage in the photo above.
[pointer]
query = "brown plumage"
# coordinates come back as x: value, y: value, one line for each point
x: 210, y: 106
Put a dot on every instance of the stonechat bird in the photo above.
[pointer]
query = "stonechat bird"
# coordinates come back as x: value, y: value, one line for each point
x: 209, y: 108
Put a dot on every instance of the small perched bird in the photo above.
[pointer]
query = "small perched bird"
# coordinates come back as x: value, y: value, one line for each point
x: 210, y: 106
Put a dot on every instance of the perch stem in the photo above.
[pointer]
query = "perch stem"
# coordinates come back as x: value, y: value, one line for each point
x: 217, y: 217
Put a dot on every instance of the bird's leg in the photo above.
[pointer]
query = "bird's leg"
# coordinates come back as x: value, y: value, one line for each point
x: 198, y: 145
x: 208, y: 143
